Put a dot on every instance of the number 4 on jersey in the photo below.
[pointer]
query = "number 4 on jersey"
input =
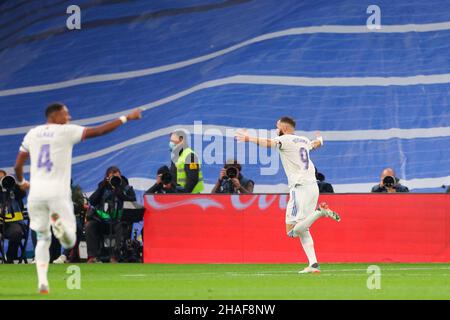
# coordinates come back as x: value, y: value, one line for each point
x: 44, y: 160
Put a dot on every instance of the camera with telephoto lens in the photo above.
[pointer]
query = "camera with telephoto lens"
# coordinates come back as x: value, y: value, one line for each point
x: 7, y: 183
x: 389, y: 181
x: 166, y: 178
x: 115, y: 181
x: 231, y: 173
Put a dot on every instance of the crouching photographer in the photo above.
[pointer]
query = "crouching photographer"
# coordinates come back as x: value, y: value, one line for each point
x: 12, y: 226
x: 104, y: 219
x: 164, y: 183
x: 231, y: 180
x: 389, y: 183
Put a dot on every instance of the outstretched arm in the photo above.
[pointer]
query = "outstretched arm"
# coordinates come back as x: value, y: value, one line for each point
x: 243, y: 136
x: 112, y: 125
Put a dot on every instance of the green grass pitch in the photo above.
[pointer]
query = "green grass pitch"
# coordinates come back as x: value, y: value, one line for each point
x: 230, y: 281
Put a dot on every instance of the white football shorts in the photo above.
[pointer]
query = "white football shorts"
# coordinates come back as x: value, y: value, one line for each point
x: 41, y: 210
x: 302, y: 202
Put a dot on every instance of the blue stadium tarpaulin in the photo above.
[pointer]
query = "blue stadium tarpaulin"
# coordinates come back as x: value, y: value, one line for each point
x: 380, y: 98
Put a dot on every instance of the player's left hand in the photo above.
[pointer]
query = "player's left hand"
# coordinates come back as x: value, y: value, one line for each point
x: 318, y: 142
x: 315, y: 144
x: 242, y: 135
x: 136, y: 114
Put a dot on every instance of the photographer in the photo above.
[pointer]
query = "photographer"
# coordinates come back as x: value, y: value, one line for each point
x: 11, y: 214
x: 324, y: 187
x: 164, y: 183
x: 389, y: 183
x: 107, y: 202
x: 231, y: 180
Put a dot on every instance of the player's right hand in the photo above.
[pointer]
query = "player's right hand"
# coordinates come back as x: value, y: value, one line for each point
x: 135, y: 114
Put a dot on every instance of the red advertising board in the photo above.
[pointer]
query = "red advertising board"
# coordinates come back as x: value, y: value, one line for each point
x: 251, y: 229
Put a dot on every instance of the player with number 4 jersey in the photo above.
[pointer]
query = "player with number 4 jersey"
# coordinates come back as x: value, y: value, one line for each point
x: 49, y: 148
x: 301, y: 210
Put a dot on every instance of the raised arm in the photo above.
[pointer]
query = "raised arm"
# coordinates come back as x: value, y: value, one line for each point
x: 243, y: 136
x: 111, y: 125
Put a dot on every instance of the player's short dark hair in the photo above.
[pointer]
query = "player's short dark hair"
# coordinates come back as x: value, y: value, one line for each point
x: 288, y: 120
x: 54, y: 107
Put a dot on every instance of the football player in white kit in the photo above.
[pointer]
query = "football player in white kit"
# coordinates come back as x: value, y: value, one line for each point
x: 49, y: 148
x: 301, y: 210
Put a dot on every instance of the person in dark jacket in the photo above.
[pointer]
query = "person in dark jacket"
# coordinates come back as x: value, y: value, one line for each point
x: 164, y: 183
x: 231, y: 180
x: 389, y: 183
x: 324, y: 187
x: 106, y: 212
x: 11, y: 216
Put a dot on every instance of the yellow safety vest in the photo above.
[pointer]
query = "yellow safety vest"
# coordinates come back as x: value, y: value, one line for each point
x: 181, y: 173
x: 18, y: 216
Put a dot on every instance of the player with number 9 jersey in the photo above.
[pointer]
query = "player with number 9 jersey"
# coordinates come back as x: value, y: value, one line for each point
x: 294, y: 154
x: 301, y: 210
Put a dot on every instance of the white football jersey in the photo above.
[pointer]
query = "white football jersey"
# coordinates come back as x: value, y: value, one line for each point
x: 294, y: 154
x: 50, y: 149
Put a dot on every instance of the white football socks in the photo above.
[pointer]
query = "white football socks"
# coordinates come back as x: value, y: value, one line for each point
x: 42, y: 258
x: 302, y: 230
x: 308, y: 246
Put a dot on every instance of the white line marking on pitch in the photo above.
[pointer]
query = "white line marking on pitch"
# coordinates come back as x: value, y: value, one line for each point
x: 390, y: 269
x: 332, y: 275
x: 335, y: 270
x: 287, y: 272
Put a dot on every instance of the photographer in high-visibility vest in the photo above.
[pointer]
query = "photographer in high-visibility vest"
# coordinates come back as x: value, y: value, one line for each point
x: 11, y: 214
x: 185, y: 165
